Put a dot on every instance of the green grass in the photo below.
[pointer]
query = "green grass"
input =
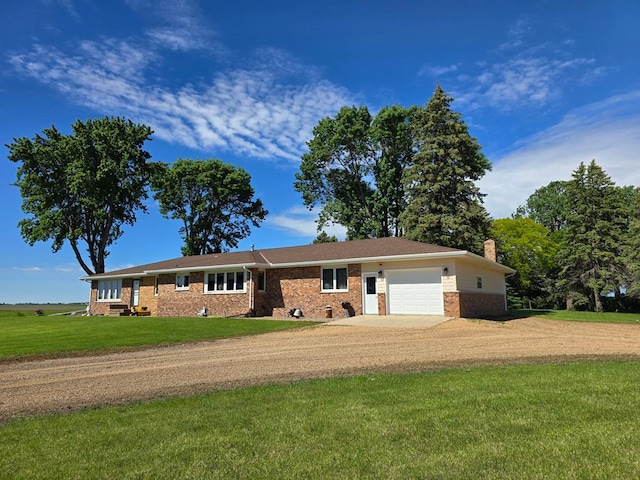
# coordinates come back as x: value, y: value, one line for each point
x: 570, y: 421
x: 33, y: 335
x: 575, y: 316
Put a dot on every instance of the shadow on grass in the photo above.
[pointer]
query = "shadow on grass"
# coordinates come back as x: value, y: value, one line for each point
x: 517, y: 315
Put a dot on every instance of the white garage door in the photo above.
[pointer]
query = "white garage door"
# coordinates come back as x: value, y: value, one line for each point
x: 415, y: 292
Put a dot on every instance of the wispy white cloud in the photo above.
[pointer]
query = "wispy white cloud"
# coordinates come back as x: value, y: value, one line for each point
x: 437, y: 70
x: 519, y: 74
x: 179, y: 25
x: 606, y: 132
x: 529, y: 79
x: 265, y: 109
x: 302, y: 222
x: 28, y: 269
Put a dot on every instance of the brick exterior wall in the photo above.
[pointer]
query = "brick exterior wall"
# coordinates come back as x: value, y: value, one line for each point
x: 187, y: 303
x: 290, y: 288
x: 482, y: 305
x: 286, y: 289
x: 452, y: 304
x: 102, y: 308
x: 382, y: 303
x: 473, y: 305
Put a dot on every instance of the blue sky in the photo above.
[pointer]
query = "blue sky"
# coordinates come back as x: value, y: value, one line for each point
x: 542, y: 85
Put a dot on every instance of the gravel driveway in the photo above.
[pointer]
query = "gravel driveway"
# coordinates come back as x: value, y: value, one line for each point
x: 70, y: 384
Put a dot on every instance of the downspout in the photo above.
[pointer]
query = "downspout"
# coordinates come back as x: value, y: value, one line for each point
x: 250, y: 288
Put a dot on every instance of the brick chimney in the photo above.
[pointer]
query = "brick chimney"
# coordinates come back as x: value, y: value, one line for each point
x: 490, y: 250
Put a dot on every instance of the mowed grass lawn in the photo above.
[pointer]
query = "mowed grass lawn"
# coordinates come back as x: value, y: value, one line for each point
x: 25, y: 334
x: 566, y: 421
x: 572, y: 420
x: 576, y: 316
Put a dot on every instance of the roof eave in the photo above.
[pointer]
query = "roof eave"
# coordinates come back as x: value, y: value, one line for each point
x: 385, y: 258
x: 205, y: 268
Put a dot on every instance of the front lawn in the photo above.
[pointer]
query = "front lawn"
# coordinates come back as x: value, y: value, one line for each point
x: 576, y: 316
x: 577, y: 420
x: 34, y: 335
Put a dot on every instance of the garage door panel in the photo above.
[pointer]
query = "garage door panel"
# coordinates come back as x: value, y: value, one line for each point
x: 415, y: 292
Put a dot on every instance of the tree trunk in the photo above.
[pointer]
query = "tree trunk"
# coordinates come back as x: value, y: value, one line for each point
x: 570, y: 302
x: 597, y: 301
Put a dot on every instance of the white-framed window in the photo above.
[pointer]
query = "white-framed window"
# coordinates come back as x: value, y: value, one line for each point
x: 109, y: 290
x: 479, y: 282
x: 262, y: 281
x: 219, y: 282
x: 182, y: 282
x: 156, y: 286
x: 335, y: 279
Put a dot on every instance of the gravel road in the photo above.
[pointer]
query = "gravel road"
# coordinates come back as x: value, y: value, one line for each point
x: 71, y: 384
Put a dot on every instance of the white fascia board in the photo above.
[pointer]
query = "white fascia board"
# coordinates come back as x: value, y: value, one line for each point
x: 112, y: 277
x: 490, y: 263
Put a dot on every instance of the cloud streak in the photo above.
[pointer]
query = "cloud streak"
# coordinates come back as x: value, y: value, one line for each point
x: 265, y: 109
x: 605, y: 131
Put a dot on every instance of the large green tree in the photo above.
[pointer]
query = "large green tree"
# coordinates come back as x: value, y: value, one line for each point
x: 83, y: 187
x: 352, y: 170
x: 595, y: 228
x: 631, y: 246
x: 530, y: 248
x: 214, y: 201
x: 445, y: 206
x: 547, y: 206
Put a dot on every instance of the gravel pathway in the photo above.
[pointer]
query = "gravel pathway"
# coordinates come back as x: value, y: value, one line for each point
x: 70, y: 384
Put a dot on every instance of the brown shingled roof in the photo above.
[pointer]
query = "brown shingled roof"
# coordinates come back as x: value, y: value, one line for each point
x: 374, y: 248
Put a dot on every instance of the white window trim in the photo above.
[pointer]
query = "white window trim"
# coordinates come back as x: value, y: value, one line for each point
x: 479, y: 282
x: 264, y: 286
x: 118, y: 289
x: 335, y: 279
x: 225, y: 291
x: 183, y: 288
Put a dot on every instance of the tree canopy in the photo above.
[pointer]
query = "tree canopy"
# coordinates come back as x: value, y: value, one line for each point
x: 530, y: 248
x: 83, y: 187
x: 214, y: 201
x: 444, y: 206
x: 353, y: 169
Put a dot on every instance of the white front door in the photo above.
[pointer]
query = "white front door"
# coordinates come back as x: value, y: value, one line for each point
x: 135, y: 297
x: 370, y: 293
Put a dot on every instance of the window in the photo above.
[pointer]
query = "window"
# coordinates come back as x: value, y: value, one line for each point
x: 224, y: 282
x: 479, y: 282
x: 182, y: 282
x: 261, y: 281
x: 155, y: 287
x: 109, y: 290
x: 334, y: 278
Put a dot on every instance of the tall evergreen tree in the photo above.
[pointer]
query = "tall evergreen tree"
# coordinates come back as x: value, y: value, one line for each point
x: 444, y: 205
x: 596, y: 223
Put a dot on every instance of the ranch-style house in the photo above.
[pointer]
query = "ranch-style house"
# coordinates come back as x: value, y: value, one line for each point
x: 372, y: 277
